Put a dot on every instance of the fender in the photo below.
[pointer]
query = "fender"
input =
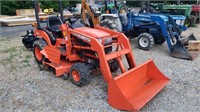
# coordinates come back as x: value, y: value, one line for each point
x: 41, y: 33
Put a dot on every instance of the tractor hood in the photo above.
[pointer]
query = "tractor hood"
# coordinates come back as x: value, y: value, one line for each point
x: 178, y: 17
x: 92, y: 32
x: 164, y: 17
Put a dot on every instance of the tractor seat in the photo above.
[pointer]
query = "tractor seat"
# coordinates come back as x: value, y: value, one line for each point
x: 53, y: 24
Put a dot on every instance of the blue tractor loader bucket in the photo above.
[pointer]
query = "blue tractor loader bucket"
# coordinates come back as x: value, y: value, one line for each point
x: 180, y: 49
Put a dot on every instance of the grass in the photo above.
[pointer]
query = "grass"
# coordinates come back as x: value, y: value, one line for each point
x: 11, y: 61
x: 12, y: 49
x: 9, y: 50
x: 25, y: 62
x: 15, y: 57
x: 8, y: 60
x: 194, y: 25
x: 24, y: 65
x: 13, y: 54
x: 28, y: 57
x: 3, y: 39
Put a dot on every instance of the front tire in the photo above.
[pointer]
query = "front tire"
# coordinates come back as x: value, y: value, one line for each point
x: 80, y: 74
x: 114, y: 65
x: 145, y: 41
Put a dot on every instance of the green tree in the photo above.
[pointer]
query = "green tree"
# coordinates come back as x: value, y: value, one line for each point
x: 9, y: 7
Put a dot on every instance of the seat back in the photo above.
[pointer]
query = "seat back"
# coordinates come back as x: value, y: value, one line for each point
x: 53, y: 23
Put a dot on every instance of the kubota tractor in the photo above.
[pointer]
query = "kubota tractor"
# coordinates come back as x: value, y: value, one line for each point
x: 81, y: 51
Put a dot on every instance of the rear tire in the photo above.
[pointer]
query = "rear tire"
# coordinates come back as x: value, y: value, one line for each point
x: 80, y: 74
x: 110, y: 24
x: 145, y: 41
x: 37, y: 47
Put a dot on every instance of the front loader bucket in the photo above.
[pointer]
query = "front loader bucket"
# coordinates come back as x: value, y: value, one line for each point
x: 180, y: 51
x: 134, y: 88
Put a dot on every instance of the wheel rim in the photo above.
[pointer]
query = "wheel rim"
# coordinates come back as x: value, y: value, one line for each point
x: 75, y: 75
x: 144, y: 42
x: 37, y: 53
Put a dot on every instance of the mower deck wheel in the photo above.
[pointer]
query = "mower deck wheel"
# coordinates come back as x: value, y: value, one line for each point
x: 65, y: 76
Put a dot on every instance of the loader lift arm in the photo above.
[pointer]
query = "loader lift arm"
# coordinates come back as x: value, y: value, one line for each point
x: 94, y: 17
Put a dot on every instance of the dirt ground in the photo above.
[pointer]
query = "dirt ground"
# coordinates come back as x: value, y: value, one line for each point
x: 24, y: 87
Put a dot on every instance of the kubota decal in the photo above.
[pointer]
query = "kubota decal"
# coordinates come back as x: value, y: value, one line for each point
x: 82, y: 37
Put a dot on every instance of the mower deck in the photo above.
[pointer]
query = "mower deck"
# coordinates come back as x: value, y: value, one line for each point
x: 62, y: 68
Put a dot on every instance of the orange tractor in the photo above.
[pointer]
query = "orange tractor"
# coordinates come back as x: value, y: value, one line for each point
x: 81, y: 51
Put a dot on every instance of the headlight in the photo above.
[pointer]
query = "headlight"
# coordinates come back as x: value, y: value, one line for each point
x: 183, y: 22
x: 180, y: 22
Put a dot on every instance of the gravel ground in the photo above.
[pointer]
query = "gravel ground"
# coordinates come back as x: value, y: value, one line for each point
x: 23, y: 87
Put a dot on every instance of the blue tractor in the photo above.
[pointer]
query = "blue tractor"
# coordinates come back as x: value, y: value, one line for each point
x: 150, y: 29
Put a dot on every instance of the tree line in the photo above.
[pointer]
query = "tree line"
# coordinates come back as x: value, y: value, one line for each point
x: 8, y: 7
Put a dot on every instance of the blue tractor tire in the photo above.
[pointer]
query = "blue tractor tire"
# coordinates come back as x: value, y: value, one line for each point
x: 159, y: 40
x: 145, y: 41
